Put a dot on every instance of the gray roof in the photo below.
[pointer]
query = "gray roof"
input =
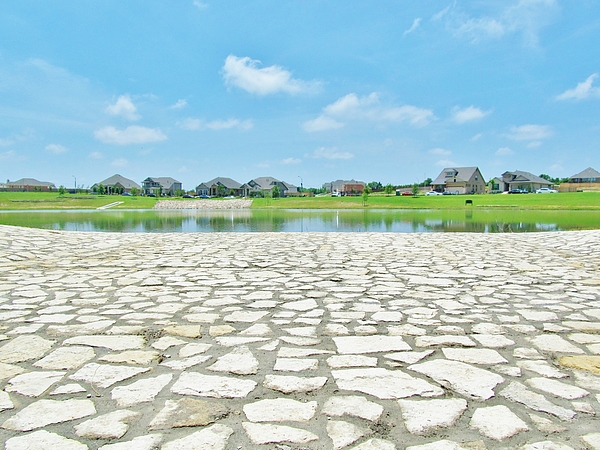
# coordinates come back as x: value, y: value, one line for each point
x: 29, y: 182
x: 165, y: 182
x: 460, y: 173
x: 118, y: 179
x: 587, y: 173
x: 224, y: 181
x: 519, y: 175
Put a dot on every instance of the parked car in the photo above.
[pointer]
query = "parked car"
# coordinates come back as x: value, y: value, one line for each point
x: 188, y: 196
x: 546, y: 191
x: 434, y: 193
x: 406, y: 193
x: 204, y: 196
x: 517, y: 191
x: 126, y: 194
x: 336, y: 194
x: 150, y: 195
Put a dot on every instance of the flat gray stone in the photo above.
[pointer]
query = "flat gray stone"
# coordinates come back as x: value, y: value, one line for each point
x: 444, y: 444
x: 5, y: 401
x: 376, y: 444
x: 444, y: 340
x: 485, y: 356
x: 465, y: 379
x: 288, y: 384
x: 370, y: 344
x: 148, y: 442
x: 353, y: 405
x: 115, y: 342
x: 424, y: 416
x: 214, y: 437
x: 554, y: 343
x: 46, y: 412
x: 104, y: 375
x: 557, y: 388
x: 517, y: 392
x: 260, y: 433
x: 24, y: 348
x: 140, y: 391
x: 66, y: 358
x: 33, y: 384
x: 497, y: 422
x: 188, y: 412
x: 343, y: 433
x: 107, y: 426
x: 592, y: 439
x: 43, y: 440
x: 194, y: 383
x: 239, y: 361
x: 280, y: 410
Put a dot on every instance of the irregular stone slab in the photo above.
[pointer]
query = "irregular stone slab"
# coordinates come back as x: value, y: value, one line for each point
x: 409, y: 357
x: 188, y: 331
x: 33, y: 384
x: 541, y: 367
x: 166, y: 342
x: 214, y: 437
x: 465, y: 379
x: 343, y: 433
x: 43, y: 440
x: 300, y: 305
x: 202, y: 317
x: 288, y: 384
x: 341, y: 361
x: 24, y: 348
x: 193, y: 383
x: 493, y: 340
x: 234, y: 341
x: 474, y: 355
x: 497, y: 422
x: 421, y: 417
x: 538, y: 316
x: 79, y: 329
x: 115, y: 342
x: 46, y: 412
x: 384, y: 384
x: 586, y: 380
x: 588, y: 363
x: 585, y: 327
x: 239, y: 361
x: 141, y: 391
x: 5, y: 401
x: 8, y: 371
x: 369, y: 344
x: 260, y: 433
x: 148, y: 442
x: 104, y: 375
x: 353, y: 405
x: 557, y: 388
x: 258, y: 329
x: 186, y: 363
x: 188, y: 412
x: 546, y: 445
x: 108, y: 426
x: 444, y: 340
x: 517, y: 392
x: 438, y: 445
x: 245, y: 316
x: 376, y: 444
x: 302, y: 341
x: 140, y: 357
x: 295, y: 364
x: 71, y: 388
x: 291, y: 352
x: 592, y: 439
x: 280, y: 410
x: 546, y: 425
x: 554, y: 343
x: 193, y: 349
x: 66, y: 358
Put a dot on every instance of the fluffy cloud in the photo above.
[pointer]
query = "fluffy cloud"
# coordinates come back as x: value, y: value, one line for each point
x: 504, y: 151
x: 330, y: 153
x: 6, y: 142
x: 440, y: 151
x: 446, y: 163
x: 216, y: 125
x: 200, y: 5
x: 529, y: 132
x: 582, y: 91
x: 179, y: 104
x: 366, y: 108
x: 245, y: 74
x: 130, y: 135
x: 468, y: 114
x: 6, y: 156
x: 291, y: 161
x: 123, y: 107
x: 96, y: 155
x: 56, y: 149
x: 120, y: 162
x: 413, y: 27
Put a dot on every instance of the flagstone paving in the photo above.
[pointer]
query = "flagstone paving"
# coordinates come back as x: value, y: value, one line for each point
x: 294, y: 341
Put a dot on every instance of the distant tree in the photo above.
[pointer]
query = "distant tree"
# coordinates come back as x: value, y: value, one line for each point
x: 375, y: 186
x: 221, y: 191
x: 427, y: 182
x: 101, y: 189
x: 135, y: 191
x: 62, y: 190
x: 276, y: 192
x: 388, y: 189
x: 365, y: 195
x: 415, y: 190
x: 179, y: 192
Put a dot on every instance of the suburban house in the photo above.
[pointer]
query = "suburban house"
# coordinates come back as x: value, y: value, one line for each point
x: 220, y: 187
x: 28, y: 184
x: 343, y: 186
x: 117, y: 184
x: 160, y: 186
x: 264, y: 185
x: 522, y: 180
x: 587, y: 180
x: 459, y: 180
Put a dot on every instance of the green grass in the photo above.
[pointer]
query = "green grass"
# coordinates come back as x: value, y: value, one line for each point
x: 561, y: 201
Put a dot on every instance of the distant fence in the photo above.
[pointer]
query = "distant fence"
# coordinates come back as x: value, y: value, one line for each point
x: 575, y: 187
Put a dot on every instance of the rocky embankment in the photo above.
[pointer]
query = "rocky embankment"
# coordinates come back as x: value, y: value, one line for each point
x: 234, y: 203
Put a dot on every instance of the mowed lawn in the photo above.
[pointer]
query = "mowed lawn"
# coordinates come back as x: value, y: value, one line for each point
x: 560, y: 201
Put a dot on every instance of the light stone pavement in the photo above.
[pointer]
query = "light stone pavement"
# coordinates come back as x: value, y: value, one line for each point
x: 299, y: 340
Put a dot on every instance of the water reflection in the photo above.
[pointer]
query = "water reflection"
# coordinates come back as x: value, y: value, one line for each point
x: 248, y: 220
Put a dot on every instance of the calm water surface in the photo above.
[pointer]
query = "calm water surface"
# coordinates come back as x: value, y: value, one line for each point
x: 250, y: 220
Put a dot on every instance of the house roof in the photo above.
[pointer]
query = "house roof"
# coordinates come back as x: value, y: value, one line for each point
x: 29, y: 182
x: 118, y: 179
x: 165, y: 182
x: 267, y: 183
x: 519, y: 175
x: 587, y: 173
x: 460, y: 173
x: 226, y: 182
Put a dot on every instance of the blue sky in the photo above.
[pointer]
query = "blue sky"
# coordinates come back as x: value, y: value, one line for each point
x: 304, y: 91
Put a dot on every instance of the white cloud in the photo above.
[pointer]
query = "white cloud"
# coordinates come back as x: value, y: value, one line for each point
x: 529, y: 132
x: 413, y: 27
x: 130, y: 135
x: 56, y: 149
x: 245, y: 74
x: 330, y: 153
x: 526, y: 17
x: 96, y: 155
x: 120, y: 162
x: 440, y: 151
x: 504, y: 151
x: 200, y: 5
x: 443, y: 12
x: 123, y: 107
x: 468, y: 114
x: 534, y: 144
x: 291, y: 161
x: 8, y: 155
x: 216, y: 125
x: 179, y: 104
x: 476, y: 137
x: 6, y: 142
x: 582, y: 91
x: 446, y: 163
x: 366, y: 108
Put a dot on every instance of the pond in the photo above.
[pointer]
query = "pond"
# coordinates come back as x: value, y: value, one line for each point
x: 257, y: 220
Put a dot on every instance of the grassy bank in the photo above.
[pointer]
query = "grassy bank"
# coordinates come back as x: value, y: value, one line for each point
x: 560, y: 201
